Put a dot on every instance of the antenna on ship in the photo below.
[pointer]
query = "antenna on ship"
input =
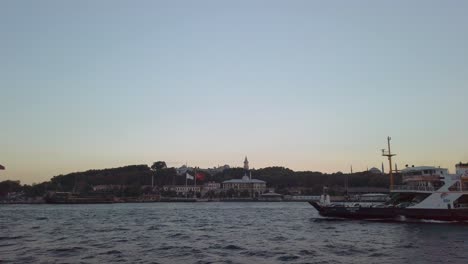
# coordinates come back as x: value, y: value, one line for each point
x: 389, y: 154
x: 347, y: 181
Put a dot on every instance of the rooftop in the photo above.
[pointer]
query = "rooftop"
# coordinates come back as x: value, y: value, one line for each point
x: 420, y: 168
x: 244, y: 181
x: 271, y: 194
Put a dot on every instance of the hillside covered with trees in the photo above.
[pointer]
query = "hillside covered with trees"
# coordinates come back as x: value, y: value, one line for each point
x: 132, y: 180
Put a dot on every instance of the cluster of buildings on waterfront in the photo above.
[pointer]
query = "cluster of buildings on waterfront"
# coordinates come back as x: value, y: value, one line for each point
x: 243, y: 187
x: 246, y: 186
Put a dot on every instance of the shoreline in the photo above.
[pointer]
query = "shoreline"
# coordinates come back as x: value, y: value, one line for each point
x: 182, y: 200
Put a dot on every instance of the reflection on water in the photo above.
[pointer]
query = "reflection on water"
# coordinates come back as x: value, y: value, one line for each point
x: 217, y: 233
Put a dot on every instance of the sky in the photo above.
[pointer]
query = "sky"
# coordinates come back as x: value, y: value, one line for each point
x: 309, y: 85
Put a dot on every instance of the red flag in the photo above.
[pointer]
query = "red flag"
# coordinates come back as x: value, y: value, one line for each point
x: 2, y: 167
x: 200, y: 176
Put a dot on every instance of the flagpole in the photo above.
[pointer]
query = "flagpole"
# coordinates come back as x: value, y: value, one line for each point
x: 195, y: 183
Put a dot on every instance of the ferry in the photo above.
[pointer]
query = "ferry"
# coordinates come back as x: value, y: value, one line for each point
x: 427, y: 193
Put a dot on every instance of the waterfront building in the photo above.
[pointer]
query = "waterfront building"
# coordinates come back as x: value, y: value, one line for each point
x: 215, y: 170
x: 109, y: 187
x: 183, y: 169
x: 149, y: 188
x: 211, y: 186
x: 301, y: 197
x: 253, y: 186
x: 182, y: 189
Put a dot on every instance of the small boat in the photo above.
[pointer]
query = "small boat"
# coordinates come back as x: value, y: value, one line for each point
x: 428, y: 193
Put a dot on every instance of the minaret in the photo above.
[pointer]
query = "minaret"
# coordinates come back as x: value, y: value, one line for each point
x: 383, y: 171
x: 246, y: 166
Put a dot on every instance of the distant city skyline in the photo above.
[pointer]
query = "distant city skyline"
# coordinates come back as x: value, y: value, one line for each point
x: 308, y: 85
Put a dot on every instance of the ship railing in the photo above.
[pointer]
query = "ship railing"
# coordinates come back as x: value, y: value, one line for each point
x: 413, y: 188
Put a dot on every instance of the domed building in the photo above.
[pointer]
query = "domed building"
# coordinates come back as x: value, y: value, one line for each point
x: 253, y: 186
x: 374, y: 170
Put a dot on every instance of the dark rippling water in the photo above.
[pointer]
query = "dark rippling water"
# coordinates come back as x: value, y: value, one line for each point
x: 217, y: 233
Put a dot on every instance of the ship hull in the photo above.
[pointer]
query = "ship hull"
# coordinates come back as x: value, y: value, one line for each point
x: 436, y: 214
x: 391, y: 213
x: 355, y: 212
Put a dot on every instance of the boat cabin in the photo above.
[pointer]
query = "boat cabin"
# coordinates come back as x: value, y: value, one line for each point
x: 424, y: 177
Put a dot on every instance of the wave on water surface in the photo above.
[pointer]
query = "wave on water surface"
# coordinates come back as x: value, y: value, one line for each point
x: 217, y: 233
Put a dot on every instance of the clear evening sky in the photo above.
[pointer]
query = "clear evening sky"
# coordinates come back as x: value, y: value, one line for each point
x: 310, y: 85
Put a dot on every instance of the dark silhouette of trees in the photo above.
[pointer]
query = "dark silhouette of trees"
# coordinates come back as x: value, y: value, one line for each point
x: 158, y: 165
x: 129, y: 180
x: 9, y: 186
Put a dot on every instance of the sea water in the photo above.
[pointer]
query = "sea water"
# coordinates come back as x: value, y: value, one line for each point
x: 217, y: 232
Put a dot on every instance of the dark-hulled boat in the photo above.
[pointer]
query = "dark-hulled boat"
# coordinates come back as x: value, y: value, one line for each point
x: 391, y: 212
x: 353, y: 211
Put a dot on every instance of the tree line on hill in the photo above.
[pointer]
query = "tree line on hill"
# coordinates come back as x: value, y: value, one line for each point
x: 132, y: 180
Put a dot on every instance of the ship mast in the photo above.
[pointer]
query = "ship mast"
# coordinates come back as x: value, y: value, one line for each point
x: 389, y: 154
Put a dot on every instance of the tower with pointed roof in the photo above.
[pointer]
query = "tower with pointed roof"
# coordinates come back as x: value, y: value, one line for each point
x: 246, y: 169
x: 254, y: 187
